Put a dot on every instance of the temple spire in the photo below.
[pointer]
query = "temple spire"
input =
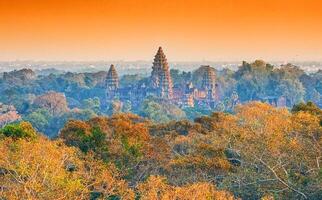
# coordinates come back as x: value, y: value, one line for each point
x: 112, y: 83
x: 160, y: 77
x: 209, y: 82
x: 112, y: 78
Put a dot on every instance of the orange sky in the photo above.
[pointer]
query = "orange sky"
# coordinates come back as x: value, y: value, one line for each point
x: 187, y: 29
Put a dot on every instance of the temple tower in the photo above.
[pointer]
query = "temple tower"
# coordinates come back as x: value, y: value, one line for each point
x: 160, y: 77
x: 112, y: 84
x: 209, y: 82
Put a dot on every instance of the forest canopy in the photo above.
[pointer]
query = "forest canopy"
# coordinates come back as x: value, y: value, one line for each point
x: 257, y: 152
x: 49, y: 100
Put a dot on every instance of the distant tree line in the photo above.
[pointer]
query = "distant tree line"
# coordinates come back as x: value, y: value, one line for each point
x: 84, y: 93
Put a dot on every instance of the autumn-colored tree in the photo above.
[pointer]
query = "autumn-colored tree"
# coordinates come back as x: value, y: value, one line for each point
x: 190, y: 152
x: 258, y: 152
x: 122, y: 139
x: 196, y: 157
x: 268, y: 140
x: 156, y: 187
x: 309, y: 107
x: 44, y: 169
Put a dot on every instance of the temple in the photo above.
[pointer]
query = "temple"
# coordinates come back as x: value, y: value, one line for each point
x: 209, y: 85
x: 160, y: 85
x: 161, y: 80
x: 112, y: 84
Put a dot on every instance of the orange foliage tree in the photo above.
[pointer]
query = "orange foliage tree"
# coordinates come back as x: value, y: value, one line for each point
x: 156, y: 187
x: 122, y: 139
x: 273, y: 147
x: 44, y: 169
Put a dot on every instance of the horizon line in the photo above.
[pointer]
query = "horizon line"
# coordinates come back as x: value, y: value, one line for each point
x: 151, y: 60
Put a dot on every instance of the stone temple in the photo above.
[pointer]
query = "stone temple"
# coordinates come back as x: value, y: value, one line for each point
x: 160, y: 77
x: 160, y: 85
x: 209, y: 82
x: 112, y: 84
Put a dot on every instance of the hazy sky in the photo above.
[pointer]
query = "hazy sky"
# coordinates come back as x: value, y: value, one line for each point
x: 188, y: 30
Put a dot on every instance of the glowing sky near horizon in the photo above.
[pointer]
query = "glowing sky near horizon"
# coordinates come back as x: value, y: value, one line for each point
x: 188, y: 30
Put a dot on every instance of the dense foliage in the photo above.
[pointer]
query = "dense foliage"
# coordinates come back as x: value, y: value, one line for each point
x: 257, y: 152
x: 49, y: 100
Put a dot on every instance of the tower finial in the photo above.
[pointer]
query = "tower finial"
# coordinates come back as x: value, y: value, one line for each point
x: 112, y: 77
x: 112, y: 67
x: 112, y: 83
x: 160, y: 50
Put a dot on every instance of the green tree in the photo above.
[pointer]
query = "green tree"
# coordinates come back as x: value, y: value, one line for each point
x: 292, y: 90
x: 40, y: 119
x: 159, y: 111
x: 92, y: 104
x: 19, y: 130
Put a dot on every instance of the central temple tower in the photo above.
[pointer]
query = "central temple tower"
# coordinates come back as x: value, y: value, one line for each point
x: 112, y: 84
x: 209, y: 82
x: 161, y: 80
